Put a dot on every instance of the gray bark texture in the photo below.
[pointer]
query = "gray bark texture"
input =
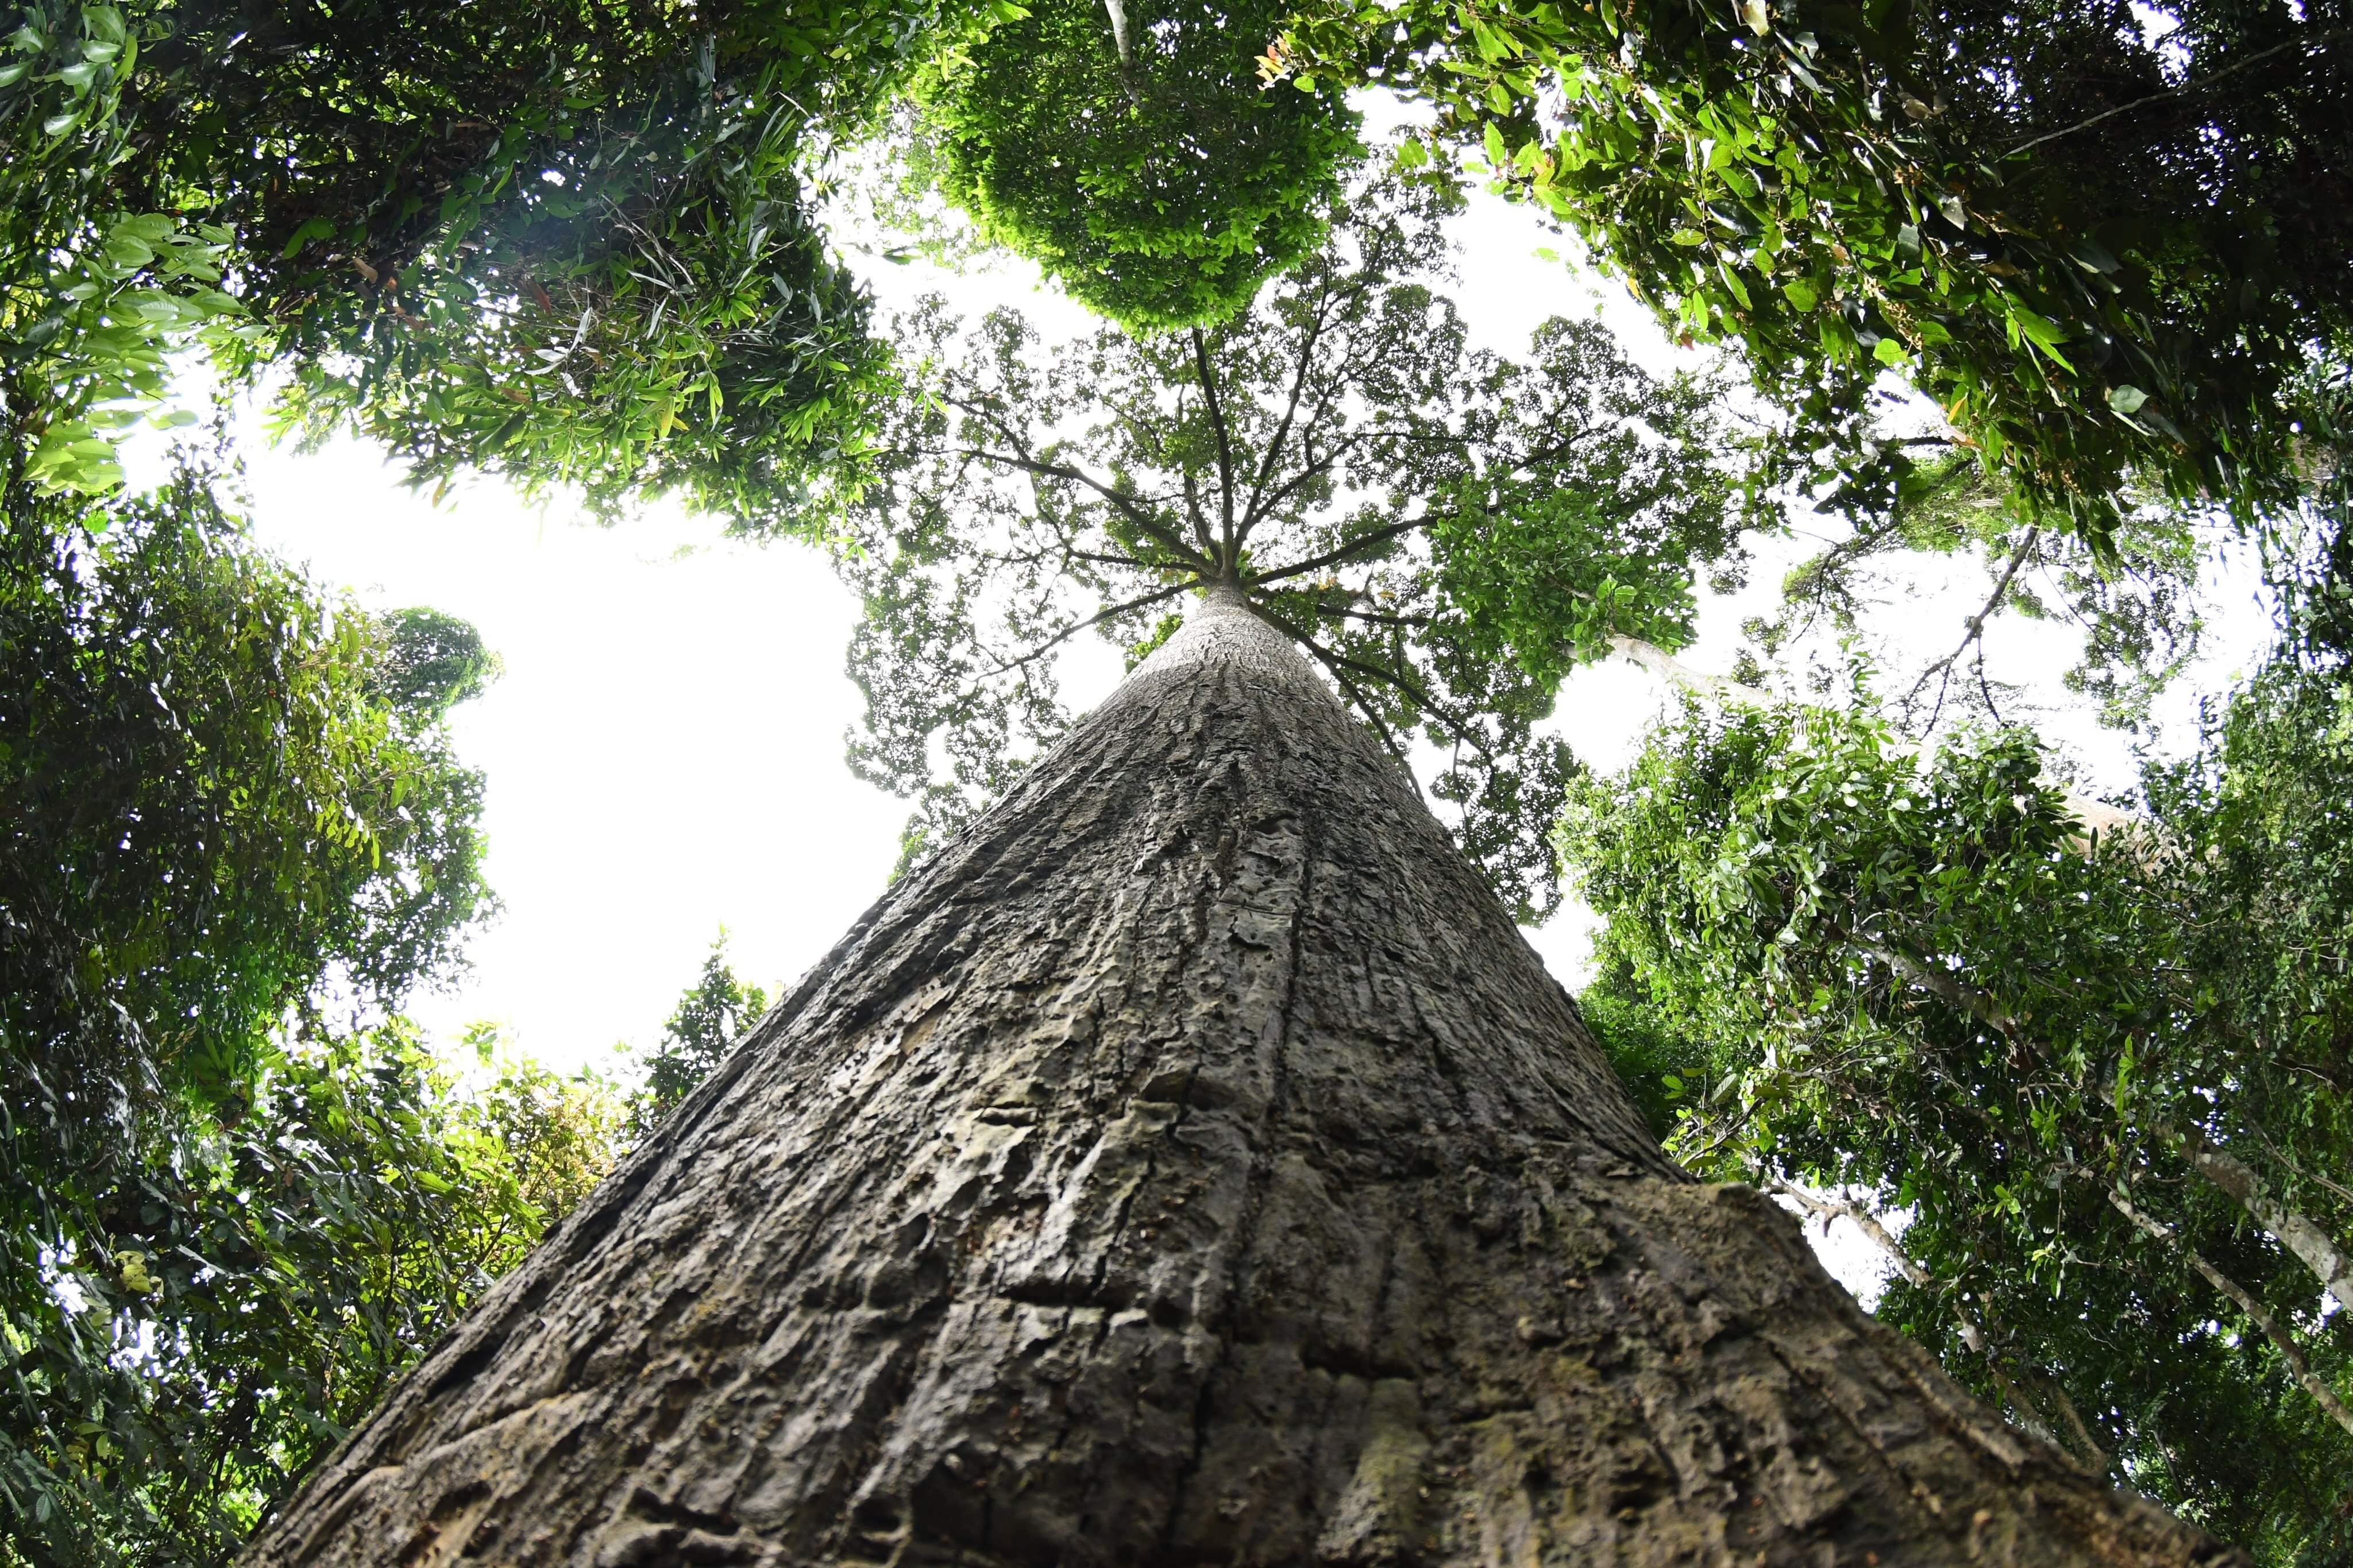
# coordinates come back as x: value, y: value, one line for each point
x: 1189, y: 1165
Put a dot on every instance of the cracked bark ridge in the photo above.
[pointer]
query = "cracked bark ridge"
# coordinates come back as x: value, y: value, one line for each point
x: 1190, y: 1164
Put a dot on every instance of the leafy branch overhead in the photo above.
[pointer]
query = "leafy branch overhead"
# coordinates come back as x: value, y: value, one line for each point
x: 1445, y: 532
x: 2103, y: 237
x: 574, y: 244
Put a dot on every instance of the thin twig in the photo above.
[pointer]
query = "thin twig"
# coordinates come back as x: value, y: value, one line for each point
x: 1974, y: 629
x: 1108, y: 613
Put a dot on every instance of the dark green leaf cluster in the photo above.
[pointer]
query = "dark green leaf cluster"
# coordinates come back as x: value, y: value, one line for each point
x: 1832, y: 960
x: 2310, y: 556
x: 1134, y: 154
x: 564, y: 239
x: 212, y: 798
x: 2103, y: 250
x: 1444, y: 531
x: 567, y: 240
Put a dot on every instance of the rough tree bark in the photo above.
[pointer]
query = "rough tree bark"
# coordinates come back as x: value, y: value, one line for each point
x: 1189, y: 1165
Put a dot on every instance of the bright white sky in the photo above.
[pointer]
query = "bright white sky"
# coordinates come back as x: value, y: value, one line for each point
x: 664, y: 752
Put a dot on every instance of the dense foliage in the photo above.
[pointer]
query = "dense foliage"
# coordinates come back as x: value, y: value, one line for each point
x: 431, y: 661
x: 567, y: 240
x: 1444, y: 531
x: 2103, y: 1075
x: 1132, y: 154
x: 93, y: 294
x: 2103, y: 238
x: 212, y: 802
x: 215, y: 812
x: 236, y: 1307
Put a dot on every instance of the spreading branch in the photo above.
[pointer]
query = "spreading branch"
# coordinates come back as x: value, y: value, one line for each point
x: 1125, y: 503
x: 1345, y: 553
x: 1973, y: 631
x: 1109, y: 612
x: 1301, y: 364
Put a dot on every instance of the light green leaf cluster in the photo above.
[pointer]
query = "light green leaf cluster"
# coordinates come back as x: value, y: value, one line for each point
x: 1158, y: 182
x: 1829, y: 960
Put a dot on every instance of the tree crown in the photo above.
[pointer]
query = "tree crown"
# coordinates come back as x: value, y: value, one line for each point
x: 1445, y: 532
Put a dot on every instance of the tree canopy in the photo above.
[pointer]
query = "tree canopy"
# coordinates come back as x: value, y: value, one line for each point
x: 1444, y: 531
x: 2104, y: 247
x: 566, y: 240
x: 1134, y: 155
x: 713, y: 1015
x: 239, y: 1305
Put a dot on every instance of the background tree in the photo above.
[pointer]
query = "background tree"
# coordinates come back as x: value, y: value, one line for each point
x: 2138, y: 599
x: 215, y: 812
x: 1446, y: 533
x: 432, y: 661
x: 1937, y: 190
x: 712, y: 1019
x: 2102, y: 1074
x: 261, y: 1290
x: 1132, y: 154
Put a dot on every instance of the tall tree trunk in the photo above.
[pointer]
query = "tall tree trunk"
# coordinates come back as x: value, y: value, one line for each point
x: 1189, y: 1165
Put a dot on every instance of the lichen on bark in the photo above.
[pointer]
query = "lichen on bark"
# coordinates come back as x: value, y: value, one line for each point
x: 1190, y: 1164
